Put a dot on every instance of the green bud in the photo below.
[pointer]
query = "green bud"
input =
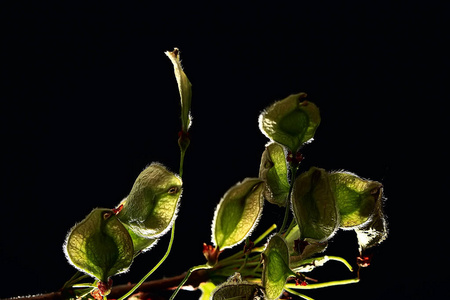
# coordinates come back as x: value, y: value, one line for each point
x: 291, y: 121
x: 356, y: 198
x: 273, y: 170
x: 314, y: 205
x: 184, y: 87
x: 238, y: 213
x: 99, y: 245
x: 275, y: 267
x: 150, y: 209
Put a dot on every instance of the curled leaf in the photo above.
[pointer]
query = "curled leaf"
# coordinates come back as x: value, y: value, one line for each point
x: 151, y: 207
x: 238, y: 213
x: 356, y: 198
x: 314, y: 205
x: 184, y: 87
x: 99, y: 245
x: 373, y: 232
x: 275, y: 267
x: 273, y: 170
x: 291, y: 122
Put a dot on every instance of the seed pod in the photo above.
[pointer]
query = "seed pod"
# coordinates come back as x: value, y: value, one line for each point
x: 275, y: 267
x: 273, y: 170
x: 99, y: 245
x: 238, y: 213
x: 291, y: 121
x: 151, y: 207
x: 314, y: 205
x: 356, y: 198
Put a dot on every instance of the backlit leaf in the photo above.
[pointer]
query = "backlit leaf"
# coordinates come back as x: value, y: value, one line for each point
x: 151, y: 207
x: 273, y: 170
x: 238, y: 213
x: 314, y: 205
x: 291, y: 122
x: 275, y: 267
x: 373, y: 232
x: 100, y: 245
x: 356, y: 198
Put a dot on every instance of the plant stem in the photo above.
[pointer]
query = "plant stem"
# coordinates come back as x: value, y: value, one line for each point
x: 155, y: 267
x: 321, y: 285
x: 201, y: 267
x: 298, y: 294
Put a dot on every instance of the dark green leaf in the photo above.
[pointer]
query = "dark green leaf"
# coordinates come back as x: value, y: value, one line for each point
x: 100, y: 245
x: 238, y: 213
x: 273, y: 170
x: 314, y: 205
x: 291, y: 122
x: 151, y: 207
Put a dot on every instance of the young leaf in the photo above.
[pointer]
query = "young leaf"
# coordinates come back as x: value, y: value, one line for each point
x: 99, y: 245
x: 275, y: 267
x: 238, y: 213
x: 314, y: 205
x: 273, y: 170
x: 185, y: 88
x: 151, y: 207
x: 291, y: 122
x: 356, y: 198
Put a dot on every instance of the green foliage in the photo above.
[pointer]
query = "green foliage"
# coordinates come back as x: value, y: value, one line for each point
x: 273, y: 170
x: 317, y: 202
x: 100, y: 245
x: 291, y: 121
x: 150, y: 208
x: 314, y: 205
x: 276, y: 267
x: 238, y: 213
x: 356, y: 197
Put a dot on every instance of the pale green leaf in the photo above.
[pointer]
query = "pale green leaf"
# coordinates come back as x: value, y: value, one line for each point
x: 151, y: 207
x: 356, y: 198
x: 273, y: 170
x: 100, y: 245
x: 291, y: 122
x: 238, y: 213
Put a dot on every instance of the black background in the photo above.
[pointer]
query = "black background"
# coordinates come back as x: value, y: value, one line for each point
x: 89, y: 99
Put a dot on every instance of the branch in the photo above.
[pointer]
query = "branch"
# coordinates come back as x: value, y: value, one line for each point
x: 153, y: 286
